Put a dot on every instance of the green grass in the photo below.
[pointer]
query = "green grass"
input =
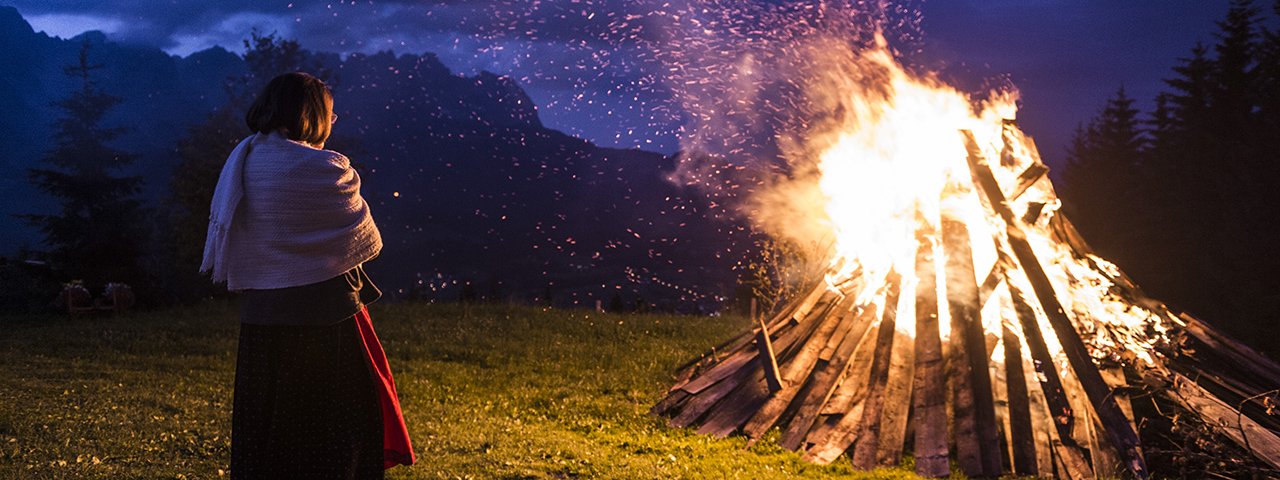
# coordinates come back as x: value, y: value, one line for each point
x: 487, y: 391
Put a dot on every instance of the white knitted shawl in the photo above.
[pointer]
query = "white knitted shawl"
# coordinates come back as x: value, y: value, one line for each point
x: 285, y: 214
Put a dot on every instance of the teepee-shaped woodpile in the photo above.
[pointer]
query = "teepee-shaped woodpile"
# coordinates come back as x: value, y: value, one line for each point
x: 1025, y: 368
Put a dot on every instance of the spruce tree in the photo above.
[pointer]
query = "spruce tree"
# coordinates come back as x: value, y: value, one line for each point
x: 1101, y: 172
x: 96, y: 235
x: 1234, y: 94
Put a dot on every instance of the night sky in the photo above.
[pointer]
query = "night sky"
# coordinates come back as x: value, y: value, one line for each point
x: 589, y: 65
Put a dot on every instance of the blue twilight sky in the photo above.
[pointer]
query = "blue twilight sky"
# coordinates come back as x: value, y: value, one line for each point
x: 588, y: 63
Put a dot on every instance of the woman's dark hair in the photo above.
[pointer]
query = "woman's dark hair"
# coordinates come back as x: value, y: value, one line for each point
x: 297, y: 103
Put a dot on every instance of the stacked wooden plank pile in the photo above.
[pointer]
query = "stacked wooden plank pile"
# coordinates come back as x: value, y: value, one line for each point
x: 1030, y: 387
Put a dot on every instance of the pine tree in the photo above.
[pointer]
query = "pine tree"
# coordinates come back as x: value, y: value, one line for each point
x: 1268, y: 78
x: 96, y: 235
x: 1183, y: 154
x: 1102, y: 170
x: 1235, y: 82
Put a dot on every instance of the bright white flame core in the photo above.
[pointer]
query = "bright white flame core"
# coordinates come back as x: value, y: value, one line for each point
x: 892, y: 159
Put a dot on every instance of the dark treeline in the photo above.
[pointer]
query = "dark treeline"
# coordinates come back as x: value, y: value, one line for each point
x: 1184, y: 198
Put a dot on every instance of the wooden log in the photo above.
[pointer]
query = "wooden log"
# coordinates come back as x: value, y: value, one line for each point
x: 865, y: 446
x: 977, y: 438
x: 1117, y: 427
x: 929, y: 392
x: 826, y: 378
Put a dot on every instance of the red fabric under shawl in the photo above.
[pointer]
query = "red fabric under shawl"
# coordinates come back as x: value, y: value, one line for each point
x: 396, y: 447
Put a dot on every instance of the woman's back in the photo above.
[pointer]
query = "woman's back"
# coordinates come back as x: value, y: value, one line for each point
x: 302, y: 219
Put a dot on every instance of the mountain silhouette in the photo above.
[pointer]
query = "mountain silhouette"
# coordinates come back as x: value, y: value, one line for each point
x: 466, y: 183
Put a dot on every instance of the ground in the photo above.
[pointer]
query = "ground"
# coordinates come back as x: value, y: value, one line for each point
x: 487, y: 391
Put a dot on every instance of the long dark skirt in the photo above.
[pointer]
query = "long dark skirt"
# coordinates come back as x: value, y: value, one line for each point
x: 305, y: 405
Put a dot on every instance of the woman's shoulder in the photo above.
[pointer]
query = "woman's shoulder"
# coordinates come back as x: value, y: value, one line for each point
x: 278, y: 145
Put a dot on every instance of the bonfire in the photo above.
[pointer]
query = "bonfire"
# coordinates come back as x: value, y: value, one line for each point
x: 962, y: 318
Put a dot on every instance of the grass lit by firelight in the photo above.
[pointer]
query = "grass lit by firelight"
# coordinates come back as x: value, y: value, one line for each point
x: 488, y: 391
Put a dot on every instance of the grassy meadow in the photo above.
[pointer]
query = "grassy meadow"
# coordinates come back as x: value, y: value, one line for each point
x: 488, y: 392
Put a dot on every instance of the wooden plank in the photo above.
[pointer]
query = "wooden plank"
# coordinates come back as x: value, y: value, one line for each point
x: 849, y: 395
x: 698, y: 405
x: 1063, y: 416
x: 836, y: 439
x: 817, y: 295
x: 1239, y: 354
x: 826, y: 379
x: 725, y: 377
x: 743, y: 402
x: 1104, y: 457
x: 1041, y: 417
x: 1114, y: 376
x: 768, y: 360
x: 865, y: 446
x: 720, y: 371
x: 1000, y: 395
x: 1244, y: 431
x: 1071, y: 463
x: 1116, y: 425
x: 853, y: 384
x: 897, y: 395
x: 782, y: 338
x: 990, y: 283
x: 796, y: 372
x: 1022, y: 441
x: 735, y: 344
x: 1085, y: 432
x: 929, y: 391
x: 1027, y: 178
x: 735, y: 408
x: 977, y: 438
x: 669, y: 403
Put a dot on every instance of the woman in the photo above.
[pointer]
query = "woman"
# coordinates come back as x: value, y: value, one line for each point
x: 289, y: 230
